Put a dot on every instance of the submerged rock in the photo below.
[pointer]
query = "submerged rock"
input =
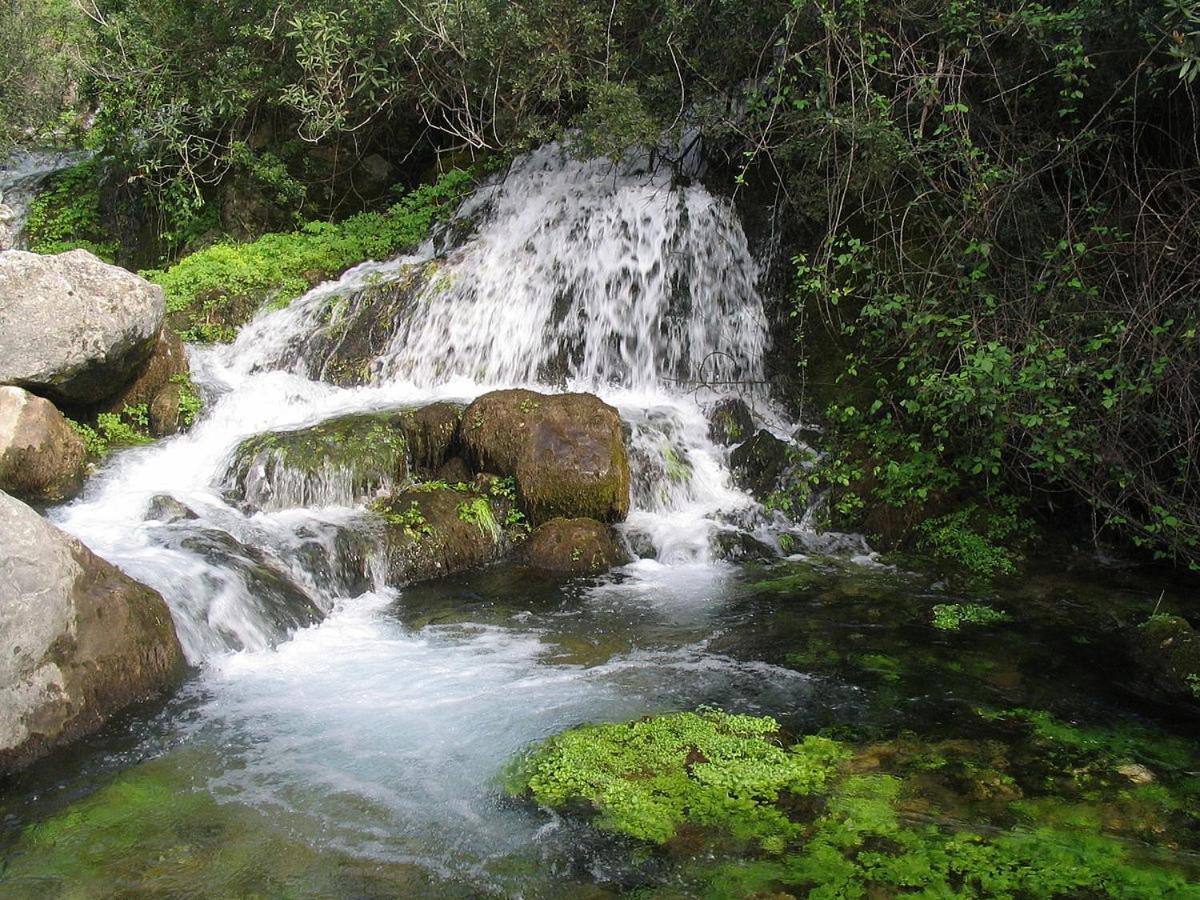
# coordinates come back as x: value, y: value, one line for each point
x: 730, y: 422
x: 73, y: 328
x: 431, y: 531
x: 759, y: 463
x: 566, y: 451
x: 79, y: 640
x: 573, y: 547
x: 42, y: 459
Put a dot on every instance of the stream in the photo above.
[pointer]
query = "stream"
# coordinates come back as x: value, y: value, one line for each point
x: 363, y: 755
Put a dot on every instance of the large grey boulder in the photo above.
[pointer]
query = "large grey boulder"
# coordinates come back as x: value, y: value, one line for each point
x: 42, y: 458
x: 73, y: 328
x: 79, y: 640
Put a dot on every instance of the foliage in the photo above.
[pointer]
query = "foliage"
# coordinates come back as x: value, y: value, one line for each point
x: 190, y: 402
x: 215, y: 289
x: 478, y: 511
x: 723, y: 777
x: 43, y: 46
x: 953, y: 616
x: 995, y: 254
x: 412, y: 521
x: 128, y: 428
x: 650, y: 777
x: 66, y: 215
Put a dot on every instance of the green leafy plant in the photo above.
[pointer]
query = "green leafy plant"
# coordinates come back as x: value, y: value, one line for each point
x: 478, y: 512
x: 66, y: 215
x: 952, y: 616
x: 190, y: 402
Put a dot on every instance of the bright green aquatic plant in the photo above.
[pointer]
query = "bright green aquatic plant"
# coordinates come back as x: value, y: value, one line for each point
x: 649, y: 778
x: 953, y: 616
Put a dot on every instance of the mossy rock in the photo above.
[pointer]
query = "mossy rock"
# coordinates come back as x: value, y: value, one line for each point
x: 730, y: 422
x: 345, y: 461
x: 1167, y: 651
x: 573, y: 547
x: 355, y: 330
x: 566, y: 451
x: 434, y: 530
x: 168, y: 361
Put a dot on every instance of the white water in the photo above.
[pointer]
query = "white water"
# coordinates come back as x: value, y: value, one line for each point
x: 649, y: 288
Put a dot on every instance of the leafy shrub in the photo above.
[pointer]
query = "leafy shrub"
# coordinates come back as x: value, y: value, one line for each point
x: 953, y: 616
x: 66, y: 215
x: 216, y: 289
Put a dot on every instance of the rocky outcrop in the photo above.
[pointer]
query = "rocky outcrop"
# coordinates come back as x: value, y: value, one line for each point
x: 566, y: 451
x: 573, y: 547
x: 759, y: 463
x: 42, y: 458
x: 72, y: 328
x: 79, y: 640
x: 432, y: 531
x: 730, y: 422
x: 155, y: 385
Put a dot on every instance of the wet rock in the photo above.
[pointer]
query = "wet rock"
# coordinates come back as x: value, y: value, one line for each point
x: 153, y: 382
x: 454, y: 471
x: 431, y: 432
x: 730, y: 422
x: 738, y: 546
x: 573, y: 547
x: 42, y: 459
x: 79, y: 640
x: 759, y: 463
x: 431, y: 532
x: 566, y: 451
x: 73, y: 328
x: 166, y: 411
x: 1166, y: 649
x: 342, y: 461
x: 1136, y: 773
x: 166, y: 509
x: 354, y: 331
x: 283, y: 603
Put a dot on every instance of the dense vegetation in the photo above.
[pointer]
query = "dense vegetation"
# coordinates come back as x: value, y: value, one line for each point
x: 989, y: 206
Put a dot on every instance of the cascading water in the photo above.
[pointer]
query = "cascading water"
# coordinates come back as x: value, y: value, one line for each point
x: 583, y: 274
x: 21, y: 175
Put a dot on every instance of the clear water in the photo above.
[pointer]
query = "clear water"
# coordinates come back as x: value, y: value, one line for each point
x: 362, y: 754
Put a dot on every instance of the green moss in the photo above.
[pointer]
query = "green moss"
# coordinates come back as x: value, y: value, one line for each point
x: 215, y: 290
x: 952, y: 616
x: 649, y: 778
x: 727, y: 778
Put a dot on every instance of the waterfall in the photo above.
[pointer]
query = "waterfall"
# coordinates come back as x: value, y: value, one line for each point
x: 611, y: 278
x: 21, y: 175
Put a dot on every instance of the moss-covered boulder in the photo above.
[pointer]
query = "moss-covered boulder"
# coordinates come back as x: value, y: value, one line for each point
x: 730, y: 422
x: 572, y: 547
x: 432, y: 530
x: 1166, y: 650
x: 79, y: 640
x: 759, y: 463
x: 566, y: 451
x: 42, y: 458
x: 342, y: 461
